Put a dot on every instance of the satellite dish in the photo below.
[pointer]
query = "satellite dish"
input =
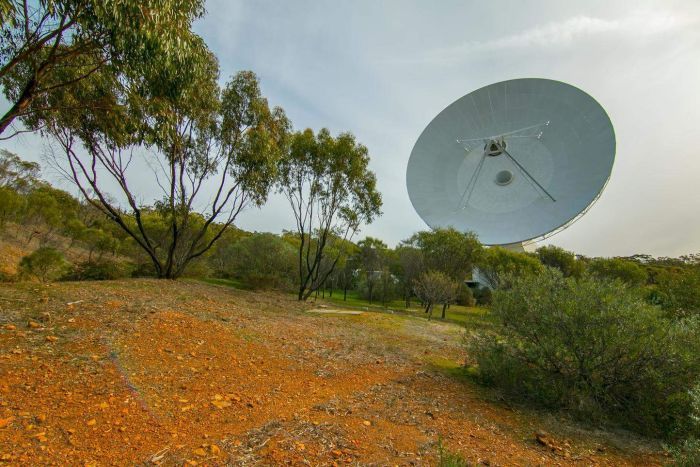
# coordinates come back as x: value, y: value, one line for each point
x: 512, y: 162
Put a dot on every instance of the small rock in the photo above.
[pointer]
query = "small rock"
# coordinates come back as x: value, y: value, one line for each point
x: 220, y: 404
x: 5, y: 421
x: 92, y: 422
x: 215, y: 450
x: 10, y: 327
x: 367, y: 423
x: 336, y: 453
x: 33, y: 325
x: 51, y: 338
x: 200, y: 452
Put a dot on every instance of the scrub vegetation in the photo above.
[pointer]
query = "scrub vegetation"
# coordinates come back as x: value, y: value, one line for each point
x: 308, y: 346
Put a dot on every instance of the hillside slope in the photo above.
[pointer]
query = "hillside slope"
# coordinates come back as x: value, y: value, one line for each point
x: 140, y: 371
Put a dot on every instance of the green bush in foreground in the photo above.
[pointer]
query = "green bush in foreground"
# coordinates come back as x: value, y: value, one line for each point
x: 594, y: 348
x: 45, y: 263
x: 98, y: 270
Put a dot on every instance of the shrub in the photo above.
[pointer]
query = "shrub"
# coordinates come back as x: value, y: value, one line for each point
x: 98, y: 270
x: 449, y: 459
x: 497, y: 264
x: 687, y: 452
x: 483, y: 296
x: 594, y: 348
x: 465, y: 296
x: 625, y: 270
x: 678, y: 292
x: 435, y: 287
x: 565, y: 261
x: 45, y: 263
x: 264, y: 260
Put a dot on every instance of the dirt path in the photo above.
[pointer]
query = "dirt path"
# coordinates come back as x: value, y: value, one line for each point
x: 146, y: 371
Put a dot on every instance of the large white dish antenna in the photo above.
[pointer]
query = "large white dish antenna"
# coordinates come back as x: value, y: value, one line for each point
x: 512, y: 161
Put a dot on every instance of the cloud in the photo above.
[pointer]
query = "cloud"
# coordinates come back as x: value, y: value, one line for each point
x: 638, y: 25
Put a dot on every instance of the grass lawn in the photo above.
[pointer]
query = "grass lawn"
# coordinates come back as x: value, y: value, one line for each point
x: 471, y: 317
x: 476, y: 318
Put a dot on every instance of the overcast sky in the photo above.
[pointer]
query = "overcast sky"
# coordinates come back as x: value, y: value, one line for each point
x: 384, y: 69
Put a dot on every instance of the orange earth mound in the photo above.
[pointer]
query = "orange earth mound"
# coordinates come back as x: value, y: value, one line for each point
x: 183, y: 373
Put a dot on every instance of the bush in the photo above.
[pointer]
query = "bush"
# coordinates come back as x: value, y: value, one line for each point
x: 686, y: 454
x: 678, y: 292
x: 565, y: 261
x: 594, y: 348
x: 263, y: 261
x: 45, y: 263
x: 98, y: 270
x: 465, y: 296
x: 627, y: 271
x: 497, y: 264
x: 435, y: 287
x: 483, y: 296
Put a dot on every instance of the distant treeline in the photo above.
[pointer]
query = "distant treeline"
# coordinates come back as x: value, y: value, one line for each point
x: 422, y: 267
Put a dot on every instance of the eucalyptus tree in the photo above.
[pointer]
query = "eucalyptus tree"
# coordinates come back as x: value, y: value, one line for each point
x: 17, y: 174
x: 372, y: 258
x: 49, y: 45
x: 500, y: 266
x: 214, y: 152
x: 448, y: 251
x: 410, y: 264
x: 433, y: 287
x: 565, y: 261
x: 331, y: 192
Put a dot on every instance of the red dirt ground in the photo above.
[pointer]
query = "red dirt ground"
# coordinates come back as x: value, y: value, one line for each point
x: 183, y: 373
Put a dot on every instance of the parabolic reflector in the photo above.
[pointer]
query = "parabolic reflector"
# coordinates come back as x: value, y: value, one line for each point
x: 512, y: 161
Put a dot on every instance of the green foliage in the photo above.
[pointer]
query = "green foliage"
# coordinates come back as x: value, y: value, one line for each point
x: 97, y: 270
x: 52, y: 46
x: 263, y: 260
x: 11, y: 204
x: 678, y: 291
x: 594, y: 348
x: 45, y: 263
x: 229, y: 139
x: 565, y: 261
x: 331, y: 192
x: 686, y: 453
x: 450, y: 459
x: 435, y: 287
x: 465, y: 296
x: 409, y: 265
x: 373, y: 260
x: 497, y: 265
x: 17, y: 174
x: 627, y: 271
x: 483, y: 296
x: 449, y: 251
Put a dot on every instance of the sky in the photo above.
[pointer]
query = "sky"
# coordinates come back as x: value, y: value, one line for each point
x: 383, y: 69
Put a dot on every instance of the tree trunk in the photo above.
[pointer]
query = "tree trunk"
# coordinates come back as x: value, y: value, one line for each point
x: 20, y: 106
x: 345, y: 293
x: 444, y: 309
